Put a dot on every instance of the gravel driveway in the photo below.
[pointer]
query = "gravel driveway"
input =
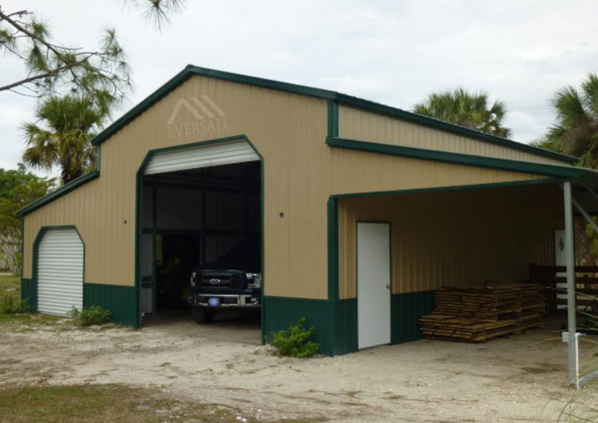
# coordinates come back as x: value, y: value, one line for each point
x: 522, y: 378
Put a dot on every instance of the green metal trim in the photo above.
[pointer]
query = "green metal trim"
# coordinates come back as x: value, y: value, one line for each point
x: 22, y: 246
x: 569, y: 172
x: 333, y: 248
x: 138, y: 225
x: 333, y: 119
x: 35, y: 265
x: 450, y: 188
x: 336, y: 97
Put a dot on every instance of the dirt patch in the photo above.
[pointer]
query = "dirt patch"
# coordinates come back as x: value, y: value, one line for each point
x: 522, y: 378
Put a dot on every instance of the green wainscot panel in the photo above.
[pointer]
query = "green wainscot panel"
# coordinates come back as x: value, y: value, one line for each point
x: 406, y: 310
x: 120, y: 300
x: 29, y: 291
x: 335, y: 321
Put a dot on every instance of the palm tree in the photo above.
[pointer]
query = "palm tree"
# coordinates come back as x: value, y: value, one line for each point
x: 576, y: 130
x: 69, y: 124
x: 465, y: 109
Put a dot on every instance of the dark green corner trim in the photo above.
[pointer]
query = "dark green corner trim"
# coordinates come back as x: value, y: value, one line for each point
x: 332, y: 248
x: 545, y: 181
x: 22, y: 246
x: 120, y: 300
x: 138, y: 209
x: 335, y: 321
x: 406, y: 310
x: 34, y: 269
x: 29, y: 291
x: 333, y: 118
x: 569, y: 172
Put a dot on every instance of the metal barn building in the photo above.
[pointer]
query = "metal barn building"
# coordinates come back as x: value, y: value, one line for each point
x: 363, y: 209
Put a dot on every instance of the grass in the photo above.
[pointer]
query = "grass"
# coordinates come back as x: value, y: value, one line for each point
x: 11, y: 285
x: 108, y: 404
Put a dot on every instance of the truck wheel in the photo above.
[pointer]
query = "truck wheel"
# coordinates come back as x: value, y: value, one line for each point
x: 203, y: 316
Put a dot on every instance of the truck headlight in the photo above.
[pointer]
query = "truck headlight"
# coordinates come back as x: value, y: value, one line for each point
x: 257, y: 280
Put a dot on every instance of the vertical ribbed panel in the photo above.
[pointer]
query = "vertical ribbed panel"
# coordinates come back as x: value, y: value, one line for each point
x: 335, y: 321
x: 300, y: 173
x: 60, y: 272
x: 450, y: 238
x: 364, y: 125
x: 406, y: 312
x: 120, y: 300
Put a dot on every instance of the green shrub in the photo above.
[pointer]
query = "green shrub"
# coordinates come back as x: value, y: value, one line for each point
x: 8, y: 305
x: 295, y: 341
x: 94, y: 315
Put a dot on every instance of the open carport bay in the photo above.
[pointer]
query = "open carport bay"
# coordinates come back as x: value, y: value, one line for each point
x: 520, y: 378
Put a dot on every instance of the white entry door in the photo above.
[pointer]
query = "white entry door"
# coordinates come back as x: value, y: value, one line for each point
x: 373, y: 284
x: 60, y: 272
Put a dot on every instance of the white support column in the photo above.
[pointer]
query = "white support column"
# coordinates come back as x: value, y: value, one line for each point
x: 573, y: 354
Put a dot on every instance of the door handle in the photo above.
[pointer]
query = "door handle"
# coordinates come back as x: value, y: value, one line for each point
x: 387, y: 286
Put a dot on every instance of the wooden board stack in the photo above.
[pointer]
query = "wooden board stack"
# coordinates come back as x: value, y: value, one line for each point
x: 481, y: 313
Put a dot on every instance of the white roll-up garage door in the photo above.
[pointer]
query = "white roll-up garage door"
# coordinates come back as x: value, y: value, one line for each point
x: 60, y: 272
x: 201, y: 156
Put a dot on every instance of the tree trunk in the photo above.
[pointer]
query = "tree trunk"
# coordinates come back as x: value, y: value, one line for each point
x: 11, y: 247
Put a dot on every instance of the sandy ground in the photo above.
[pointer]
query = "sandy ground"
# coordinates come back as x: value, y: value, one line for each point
x: 522, y: 378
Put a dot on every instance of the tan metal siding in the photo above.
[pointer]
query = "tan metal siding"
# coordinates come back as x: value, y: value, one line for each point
x: 364, y: 125
x: 301, y: 172
x: 456, y: 237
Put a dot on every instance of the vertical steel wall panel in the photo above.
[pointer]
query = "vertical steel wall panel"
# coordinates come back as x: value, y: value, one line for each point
x: 456, y: 237
x: 300, y: 173
x: 365, y: 125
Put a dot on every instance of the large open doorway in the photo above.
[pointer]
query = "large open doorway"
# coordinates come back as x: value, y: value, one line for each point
x: 198, y: 206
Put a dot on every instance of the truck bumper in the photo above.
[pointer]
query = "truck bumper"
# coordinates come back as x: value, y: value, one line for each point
x: 225, y: 300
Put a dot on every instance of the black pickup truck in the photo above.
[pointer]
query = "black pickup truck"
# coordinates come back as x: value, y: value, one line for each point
x: 234, y: 280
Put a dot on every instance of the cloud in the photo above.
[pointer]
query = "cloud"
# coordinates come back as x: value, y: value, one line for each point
x: 393, y: 52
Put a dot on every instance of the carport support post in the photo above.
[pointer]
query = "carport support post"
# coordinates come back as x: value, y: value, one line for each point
x: 571, y: 307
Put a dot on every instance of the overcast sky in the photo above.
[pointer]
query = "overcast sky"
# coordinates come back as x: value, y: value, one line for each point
x: 390, y: 51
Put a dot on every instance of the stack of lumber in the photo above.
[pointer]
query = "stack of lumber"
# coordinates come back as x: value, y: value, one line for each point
x: 466, y: 329
x: 480, y: 313
x: 533, y: 306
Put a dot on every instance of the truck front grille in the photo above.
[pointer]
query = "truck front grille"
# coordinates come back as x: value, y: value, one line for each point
x: 217, y: 280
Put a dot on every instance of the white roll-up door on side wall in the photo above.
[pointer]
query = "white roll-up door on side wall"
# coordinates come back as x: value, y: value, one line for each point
x: 201, y: 156
x: 60, y: 272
